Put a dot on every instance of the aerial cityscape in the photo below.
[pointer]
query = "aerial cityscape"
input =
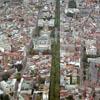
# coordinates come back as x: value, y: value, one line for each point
x: 49, y: 49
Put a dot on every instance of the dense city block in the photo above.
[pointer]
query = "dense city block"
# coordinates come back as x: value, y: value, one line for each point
x: 49, y: 49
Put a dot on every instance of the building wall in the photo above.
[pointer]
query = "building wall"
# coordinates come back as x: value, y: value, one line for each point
x: 93, y: 72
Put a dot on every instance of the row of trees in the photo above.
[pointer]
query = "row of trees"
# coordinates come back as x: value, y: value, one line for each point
x: 55, y: 74
x: 54, y: 93
x: 83, y: 63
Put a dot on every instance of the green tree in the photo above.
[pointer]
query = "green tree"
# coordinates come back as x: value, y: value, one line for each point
x: 72, y: 4
x: 70, y: 97
x: 80, y: 97
x: 32, y: 72
x: 70, y: 14
x: 5, y: 76
x: 4, y: 97
x: 18, y: 76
